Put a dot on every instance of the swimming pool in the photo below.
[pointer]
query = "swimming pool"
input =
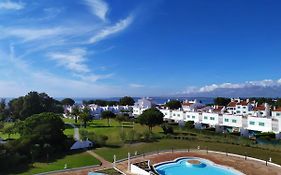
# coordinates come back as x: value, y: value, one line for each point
x: 193, y: 166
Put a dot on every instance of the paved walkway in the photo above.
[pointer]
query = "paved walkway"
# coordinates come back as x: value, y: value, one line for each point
x: 76, y: 135
x: 84, y: 171
x: 104, y: 163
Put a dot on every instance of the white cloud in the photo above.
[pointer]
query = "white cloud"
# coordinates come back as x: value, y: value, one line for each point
x: 135, y: 85
x: 108, y: 31
x: 32, y: 34
x: 73, y: 60
x: 213, y: 87
x: 98, y: 8
x: 94, y: 77
x: 9, y: 5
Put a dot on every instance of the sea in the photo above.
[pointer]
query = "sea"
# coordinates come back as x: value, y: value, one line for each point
x: 157, y: 100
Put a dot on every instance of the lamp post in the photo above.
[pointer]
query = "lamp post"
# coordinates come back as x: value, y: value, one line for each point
x: 129, y: 164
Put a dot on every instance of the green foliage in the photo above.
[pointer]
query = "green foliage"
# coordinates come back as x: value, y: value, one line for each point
x: 10, y: 129
x: 278, y: 102
x: 151, y: 117
x: 123, y: 136
x: 99, y: 140
x: 126, y: 101
x: 107, y: 115
x: 189, y: 125
x: 83, y: 134
x: 33, y: 103
x: 44, y: 128
x: 148, y: 136
x: 266, y: 135
x: 84, y: 116
x: 221, y: 101
x: 122, y: 118
x: 68, y: 101
x: 173, y: 104
x: 167, y: 129
x: 75, y: 111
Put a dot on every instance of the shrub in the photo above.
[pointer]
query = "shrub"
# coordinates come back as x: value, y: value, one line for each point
x: 99, y: 140
x: 167, y: 129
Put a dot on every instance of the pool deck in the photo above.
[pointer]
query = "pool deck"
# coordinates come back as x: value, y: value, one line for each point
x: 249, y: 167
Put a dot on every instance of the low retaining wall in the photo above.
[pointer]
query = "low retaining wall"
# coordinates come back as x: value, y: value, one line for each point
x: 70, y: 169
x: 196, y: 150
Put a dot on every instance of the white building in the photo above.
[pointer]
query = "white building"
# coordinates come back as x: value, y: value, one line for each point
x: 142, y: 105
x: 192, y: 105
x: 276, y: 113
x: 260, y: 124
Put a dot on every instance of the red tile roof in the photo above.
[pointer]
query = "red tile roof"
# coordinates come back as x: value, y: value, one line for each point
x: 232, y: 104
x: 187, y: 104
x: 218, y: 108
x: 277, y: 109
x: 243, y: 103
x: 259, y: 108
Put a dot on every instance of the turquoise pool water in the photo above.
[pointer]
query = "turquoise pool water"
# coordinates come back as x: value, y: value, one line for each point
x: 182, y: 167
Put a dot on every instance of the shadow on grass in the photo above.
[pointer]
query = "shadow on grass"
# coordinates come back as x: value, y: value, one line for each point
x: 26, y: 167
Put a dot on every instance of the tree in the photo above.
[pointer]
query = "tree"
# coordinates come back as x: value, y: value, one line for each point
x: 151, y: 117
x: 84, y: 116
x: 33, y: 103
x: 107, y: 115
x: 126, y: 101
x: 278, y: 102
x: 2, y: 105
x: 167, y: 129
x: 68, y: 102
x: 173, y: 104
x: 75, y: 111
x: 221, y: 101
x: 44, y: 128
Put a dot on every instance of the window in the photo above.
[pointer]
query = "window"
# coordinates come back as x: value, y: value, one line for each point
x: 205, y: 117
x: 193, y: 116
x: 188, y: 116
x: 178, y: 115
x: 261, y: 124
x: 212, y: 118
x: 234, y: 121
x: 252, y: 123
x: 174, y: 114
x: 226, y: 120
x: 165, y: 113
x: 238, y: 107
x: 277, y: 114
x: 238, y: 112
x: 244, y: 112
x: 244, y: 107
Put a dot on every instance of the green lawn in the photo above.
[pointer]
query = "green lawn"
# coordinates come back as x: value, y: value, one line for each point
x: 100, y: 127
x: 72, y: 161
x: 163, y: 144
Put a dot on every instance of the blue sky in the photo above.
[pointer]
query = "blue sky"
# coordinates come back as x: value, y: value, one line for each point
x: 102, y: 48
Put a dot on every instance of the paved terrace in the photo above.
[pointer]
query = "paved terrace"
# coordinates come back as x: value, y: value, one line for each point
x: 249, y: 167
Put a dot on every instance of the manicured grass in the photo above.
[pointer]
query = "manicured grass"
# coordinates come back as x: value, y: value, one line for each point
x: 100, y: 127
x: 72, y: 161
x: 122, y: 152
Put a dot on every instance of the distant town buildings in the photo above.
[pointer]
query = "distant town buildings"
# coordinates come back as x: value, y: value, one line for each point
x: 239, y: 115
